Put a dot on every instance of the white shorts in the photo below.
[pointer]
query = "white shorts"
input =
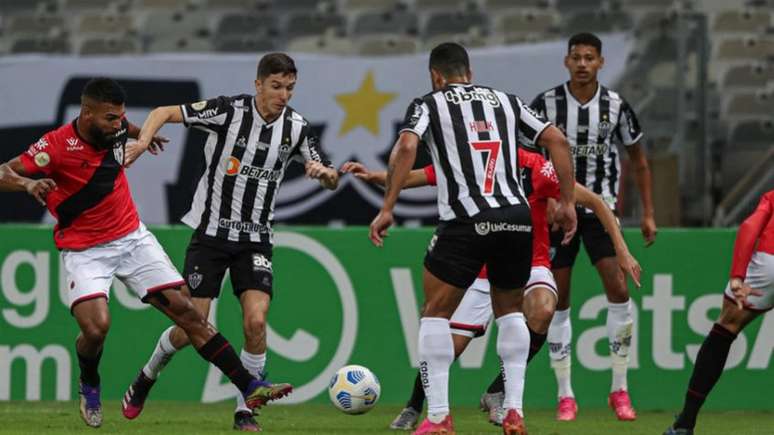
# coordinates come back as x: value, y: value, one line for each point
x: 137, y: 259
x: 540, y: 276
x: 760, y: 276
x: 474, y: 312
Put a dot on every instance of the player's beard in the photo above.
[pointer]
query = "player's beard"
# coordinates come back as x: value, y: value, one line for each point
x: 101, y: 139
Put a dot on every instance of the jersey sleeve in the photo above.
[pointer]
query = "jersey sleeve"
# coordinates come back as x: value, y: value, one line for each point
x: 417, y: 118
x: 430, y: 174
x: 41, y: 157
x: 544, y: 179
x: 748, y: 234
x: 628, y: 131
x: 530, y: 124
x: 309, y: 149
x: 539, y: 106
x: 207, y: 115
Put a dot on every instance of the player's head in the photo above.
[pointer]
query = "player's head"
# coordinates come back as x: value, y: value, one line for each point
x: 274, y: 83
x: 102, y: 110
x: 584, y: 58
x: 449, y: 63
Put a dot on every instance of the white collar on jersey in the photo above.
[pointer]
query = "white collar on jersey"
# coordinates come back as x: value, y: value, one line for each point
x: 588, y: 103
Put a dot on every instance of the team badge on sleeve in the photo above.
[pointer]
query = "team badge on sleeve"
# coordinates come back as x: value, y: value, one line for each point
x: 42, y: 159
x: 199, y: 105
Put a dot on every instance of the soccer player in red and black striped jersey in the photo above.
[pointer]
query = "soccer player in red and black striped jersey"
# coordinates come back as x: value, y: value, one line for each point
x: 100, y: 237
x: 749, y: 293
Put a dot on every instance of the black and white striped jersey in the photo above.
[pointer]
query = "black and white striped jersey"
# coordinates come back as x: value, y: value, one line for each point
x: 246, y: 158
x: 593, y: 129
x: 472, y: 133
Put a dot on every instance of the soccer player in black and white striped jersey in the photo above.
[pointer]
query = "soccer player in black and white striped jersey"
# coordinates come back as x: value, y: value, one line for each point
x: 252, y: 140
x: 472, y: 133
x: 595, y: 119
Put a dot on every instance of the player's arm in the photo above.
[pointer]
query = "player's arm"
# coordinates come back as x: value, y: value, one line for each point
x: 642, y: 178
x: 556, y: 143
x: 415, y: 178
x: 153, y: 123
x: 626, y: 261
x: 402, y: 158
x: 327, y: 176
x: 158, y: 142
x: 746, y: 237
x: 13, y: 179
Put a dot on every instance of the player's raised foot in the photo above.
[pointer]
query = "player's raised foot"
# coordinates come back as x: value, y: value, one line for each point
x: 91, y: 406
x: 492, y: 403
x: 678, y: 431
x: 134, y: 398
x: 406, y: 420
x: 567, y: 409
x: 620, y: 402
x: 245, y: 422
x: 513, y: 423
x: 262, y: 392
x: 445, y: 427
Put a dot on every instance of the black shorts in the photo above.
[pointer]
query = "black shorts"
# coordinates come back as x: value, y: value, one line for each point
x: 207, y: 259
x: 596, y: 241
x: 499, y: 238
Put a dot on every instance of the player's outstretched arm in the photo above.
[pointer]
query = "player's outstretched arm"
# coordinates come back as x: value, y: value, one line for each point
x: 328, y: 177
x: 642, y: 178
x: 402, y: 158
x: 12, y: 179
x: 556, y: 143
x: 626, y: 261
x: 153, y: 123
x: 415, y: 178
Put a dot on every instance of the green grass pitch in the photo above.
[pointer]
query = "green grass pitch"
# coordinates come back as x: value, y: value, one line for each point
x: 193, y: 418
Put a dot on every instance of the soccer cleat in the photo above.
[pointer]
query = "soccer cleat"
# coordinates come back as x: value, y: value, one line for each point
x: 445, y: 427
x: 245, y: 422
x: 262, y: 392
x: 134, y: 398
x: 622, y: 405
x: 567, y: 409
x: 513, y: 423
x: 406, y: 420
x: 492, y: 403
x: 91, y: 406
x: 671, y: 430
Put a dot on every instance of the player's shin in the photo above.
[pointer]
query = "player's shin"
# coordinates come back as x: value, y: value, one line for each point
x: 436, y: 354
x: 513, y: 349
x: 619, y: 332
x: 559, y: 344
x: 161, y: 356
x: 219, y: 352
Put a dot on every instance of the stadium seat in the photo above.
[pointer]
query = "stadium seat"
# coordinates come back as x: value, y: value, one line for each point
x: 427, y: 5
x: 745, y: 48
x: 176, y: 24
x: 87, y: 5
x: 653, y: 21
x: 235, y: 5
x: 649, y: 4
x: 749, y: 103
x: 746, y: 21
x: 180, y: 45
x: 370, y: 5
x: 9, y: 7
x: 455, y: 22
x: 578, y: 5
x: 248, y: 24
x: 35, y: 25
x: 595, y: 22
x: 239, y: 44
x: 328, y: 44
x: 387, y: 45
x: 306, y: 23
x: 464, y: 39
x: 109, y: 46
x: 756, y: 133
x: 754, y: 76
x: 499, y: 5
x: 158, y: 4
x: 41, y: 45
x: 285, y: 6
x: 529, y: 21
x: 105, y: 23
x: 400, y: 22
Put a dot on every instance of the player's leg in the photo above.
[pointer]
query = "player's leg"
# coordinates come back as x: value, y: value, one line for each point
x: 620, y: 322
x: 560, y: 328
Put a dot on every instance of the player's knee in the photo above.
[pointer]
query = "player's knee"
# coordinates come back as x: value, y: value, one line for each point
x: 96, y: 330
x: 539, y: 317
x: 254, y: 325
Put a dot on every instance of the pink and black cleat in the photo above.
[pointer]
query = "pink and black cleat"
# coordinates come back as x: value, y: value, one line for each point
x: 620, y: 402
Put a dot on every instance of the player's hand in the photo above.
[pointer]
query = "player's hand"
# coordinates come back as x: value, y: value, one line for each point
x: 133, y: 151
x: 315, y: 170
x: 378, y: 229
x: 157, y: 144
x: 566, y: 219
x: 631, y: 267
x: 359, y: 170
x: 39, y: 189
x: 649, y: 231
x: 741, y: 291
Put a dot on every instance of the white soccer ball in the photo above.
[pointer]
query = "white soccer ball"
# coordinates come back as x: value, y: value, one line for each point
x: 354, y: 389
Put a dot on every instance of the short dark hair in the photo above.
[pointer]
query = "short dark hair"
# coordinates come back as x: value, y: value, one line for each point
x: 104, y: 90
x: 276, y: 63
x: 450, y: 59
x: 585, y: 38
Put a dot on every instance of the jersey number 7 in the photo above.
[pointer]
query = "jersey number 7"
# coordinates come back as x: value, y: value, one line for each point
x: 492, y: 150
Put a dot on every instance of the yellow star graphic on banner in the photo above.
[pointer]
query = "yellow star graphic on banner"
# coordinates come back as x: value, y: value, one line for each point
x: 362, y: 106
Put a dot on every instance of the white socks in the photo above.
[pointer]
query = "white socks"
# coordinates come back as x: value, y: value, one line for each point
x: 163, y: 352
x: 254, y: 363
x: 513, y: 349
x: 560, y: 350
x: 436, y: 354
x: 619, y: 333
